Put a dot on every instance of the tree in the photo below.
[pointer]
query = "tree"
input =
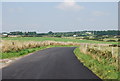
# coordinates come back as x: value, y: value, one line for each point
x: 50, y: 33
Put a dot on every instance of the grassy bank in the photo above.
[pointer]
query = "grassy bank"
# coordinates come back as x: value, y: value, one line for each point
x: 102, y: 69
x: 14, y: 54
x: 15, y: 48
x: 21, y: 52
x: 56, y: 39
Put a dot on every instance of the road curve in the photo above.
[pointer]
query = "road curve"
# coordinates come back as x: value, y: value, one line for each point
x: 50, y: 63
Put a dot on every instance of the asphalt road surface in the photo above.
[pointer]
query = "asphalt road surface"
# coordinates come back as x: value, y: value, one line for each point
x: 51, y: 63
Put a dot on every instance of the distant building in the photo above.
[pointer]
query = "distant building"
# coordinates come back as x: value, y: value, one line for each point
x: 14, y: 35
x: 4, y: 35
x: 74, y: 35
x: 88, y: 33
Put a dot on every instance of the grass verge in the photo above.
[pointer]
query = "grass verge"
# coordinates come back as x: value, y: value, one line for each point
x: 27, y: 51
x: 20, y: 53
x: 104, y: 71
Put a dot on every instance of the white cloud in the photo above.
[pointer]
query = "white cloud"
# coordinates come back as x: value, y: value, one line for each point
x: 99, y: 13
x: 69, y: 5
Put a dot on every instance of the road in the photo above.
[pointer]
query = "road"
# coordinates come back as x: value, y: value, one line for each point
x: 50, y: 63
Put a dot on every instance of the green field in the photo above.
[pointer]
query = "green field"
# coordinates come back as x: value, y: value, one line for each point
x: 56, y: 39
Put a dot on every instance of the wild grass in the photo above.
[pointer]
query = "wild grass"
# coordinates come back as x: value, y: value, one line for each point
x: 100, y: 52
x: 103, y: 67
x: 15, y: 48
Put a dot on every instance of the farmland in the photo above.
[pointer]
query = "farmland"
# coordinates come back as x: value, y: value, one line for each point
x: 57, y: 39
x: 96, y: 55
x: 16, y: 44
x: 65, y: 39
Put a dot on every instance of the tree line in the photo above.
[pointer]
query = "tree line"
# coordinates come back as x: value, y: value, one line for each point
x: 66, y: 34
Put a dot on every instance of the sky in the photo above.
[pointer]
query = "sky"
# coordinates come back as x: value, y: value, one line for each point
x: 59, y: 16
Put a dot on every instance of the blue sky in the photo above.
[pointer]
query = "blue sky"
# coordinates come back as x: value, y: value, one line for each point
x: 59, y: 16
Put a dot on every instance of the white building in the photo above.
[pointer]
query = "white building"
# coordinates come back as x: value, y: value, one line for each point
x: 88, y: 33
x: 74, y: 35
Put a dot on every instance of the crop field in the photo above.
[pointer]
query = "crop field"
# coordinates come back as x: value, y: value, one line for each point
x: 56, y: 39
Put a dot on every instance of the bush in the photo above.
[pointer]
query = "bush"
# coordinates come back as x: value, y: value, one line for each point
x: 111, y: 41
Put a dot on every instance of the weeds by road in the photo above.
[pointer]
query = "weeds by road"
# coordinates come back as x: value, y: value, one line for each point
x: 102, y: 69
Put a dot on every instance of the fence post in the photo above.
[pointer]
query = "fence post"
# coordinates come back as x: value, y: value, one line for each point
x: 99, y: 46
x: 86, y: 47
x: 112, y: 51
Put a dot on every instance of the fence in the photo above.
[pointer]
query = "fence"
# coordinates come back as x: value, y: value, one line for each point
x: 100, y: 51
x: 101, y: 47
